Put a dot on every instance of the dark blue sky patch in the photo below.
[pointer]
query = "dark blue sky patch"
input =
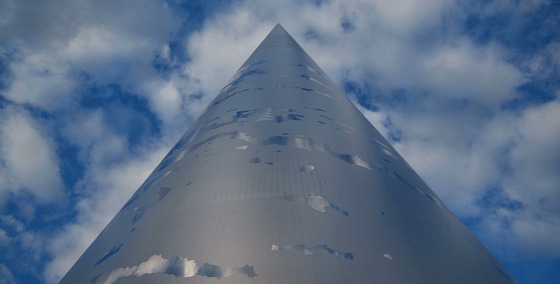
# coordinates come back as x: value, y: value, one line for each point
x: 44, y: 218
x: 374, y: 98
x: 361, y: 93
x: 310, y: 34
x: 540, y: 28
x: 39, y: 113
x: 7, y: 56
x: 348, y: 24
x: 129, y: 113
x: 50, y: 218
x: 318, y: 3
x: 192, y: 14
x: 177, y: 49
x: 522, y: 33
x: 532, y: 270
x: 16, y: 205
x: 496, y: 198
x: 532, y: 94
x: 71, y: 168
x: 21, y: 270
x: 393, y: 134
x: 472, y: 222
x: 483, y: 29
x: 3, y: 102
x: 25, y: 262
x: 524, y: 37
x: 163, y: 66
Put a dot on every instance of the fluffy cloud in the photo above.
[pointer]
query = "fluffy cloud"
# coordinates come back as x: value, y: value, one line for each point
x: 462, y: 70
x: 28, y: 158
x: 39, y: 80
x: 219, y: 49
x: 60, y: 44
x: 536, y: 158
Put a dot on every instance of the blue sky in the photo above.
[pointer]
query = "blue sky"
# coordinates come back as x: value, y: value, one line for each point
x: 94, y: 93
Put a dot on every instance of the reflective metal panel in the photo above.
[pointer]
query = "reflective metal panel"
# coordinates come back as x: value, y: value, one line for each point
x: 283, y: 180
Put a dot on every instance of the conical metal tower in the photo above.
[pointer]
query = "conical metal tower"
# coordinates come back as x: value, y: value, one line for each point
x: 283, y: 180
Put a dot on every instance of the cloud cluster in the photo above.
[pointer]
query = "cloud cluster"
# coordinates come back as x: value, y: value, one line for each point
x: 73, y: 103
x: 29, y: 160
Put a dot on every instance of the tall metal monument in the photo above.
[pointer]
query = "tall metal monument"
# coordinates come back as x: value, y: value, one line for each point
x: 283, y: 180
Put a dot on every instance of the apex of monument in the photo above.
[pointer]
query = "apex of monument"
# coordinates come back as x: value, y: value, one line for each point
x: 279, y: 31
x: 277, y: 37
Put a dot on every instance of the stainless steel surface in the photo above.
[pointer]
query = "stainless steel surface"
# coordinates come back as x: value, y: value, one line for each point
x: 283, y: 180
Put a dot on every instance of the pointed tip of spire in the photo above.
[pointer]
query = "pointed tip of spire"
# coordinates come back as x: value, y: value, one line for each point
x: 278, y: 26
x: 277, y: 37
x: 278, y: 29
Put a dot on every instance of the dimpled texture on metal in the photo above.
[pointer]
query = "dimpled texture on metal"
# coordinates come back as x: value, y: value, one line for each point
x: 283, y: 180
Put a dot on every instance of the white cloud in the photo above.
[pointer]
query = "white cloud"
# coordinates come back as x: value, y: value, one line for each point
x: 59, y: 42
x: 219, y: 49
x: 536, y: 237
x: 462, y: 70
x: 175, y: 103
x: 29, y: 159
x: 536, y: 159
x: 40, y: 80
x: 406, y: 17
x: 517, y: 153
x: 95, y: 138
x: 534, y: 230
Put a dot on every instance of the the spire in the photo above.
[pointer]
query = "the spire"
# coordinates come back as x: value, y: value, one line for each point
x: 283, y: 180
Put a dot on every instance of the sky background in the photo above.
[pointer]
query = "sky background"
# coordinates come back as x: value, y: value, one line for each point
x: 93, y: 94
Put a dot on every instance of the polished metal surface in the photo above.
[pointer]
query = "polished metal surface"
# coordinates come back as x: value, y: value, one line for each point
x: 283, y: 180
